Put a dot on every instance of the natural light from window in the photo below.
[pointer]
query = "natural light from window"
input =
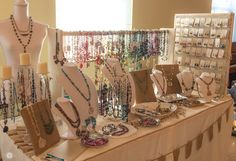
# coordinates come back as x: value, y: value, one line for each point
x: 88, y: 15
x: 224, y: 6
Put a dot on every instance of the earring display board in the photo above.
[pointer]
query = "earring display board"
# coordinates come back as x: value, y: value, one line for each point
x: 169, y: 72
x: 40, y: 125
x: 203, y: 44
x: 143, y: 86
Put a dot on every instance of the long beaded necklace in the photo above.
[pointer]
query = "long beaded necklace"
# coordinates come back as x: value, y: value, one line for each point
x: 56, y: 56
x: 162, y: 87
x: 184, y: 85
x: 74, y: 124
x: 4, y: 107
x: 41, y: 141
x: 208, y: 85
x: 88, y: 98
x: 18, y: 32
x: 48, y: 125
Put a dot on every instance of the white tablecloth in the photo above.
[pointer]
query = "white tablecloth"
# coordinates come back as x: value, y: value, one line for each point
x: 151, y: 143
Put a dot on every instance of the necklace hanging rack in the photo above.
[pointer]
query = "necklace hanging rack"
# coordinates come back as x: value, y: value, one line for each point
x: 18, y: 32
x: 207, y: 85
x: 87, y: 98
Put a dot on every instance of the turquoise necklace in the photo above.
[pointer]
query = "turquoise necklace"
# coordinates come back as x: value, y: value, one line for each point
x: 88, y: 98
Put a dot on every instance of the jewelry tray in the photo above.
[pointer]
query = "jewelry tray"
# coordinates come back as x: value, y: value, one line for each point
x: 152, y: 111
x: 172, y: 98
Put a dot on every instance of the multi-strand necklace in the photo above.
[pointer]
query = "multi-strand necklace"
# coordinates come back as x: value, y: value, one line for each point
x: 19, y: 33
x: 4, y: 106
x: 208, y: 85
x: 87, y: 98
x: 74, y: 124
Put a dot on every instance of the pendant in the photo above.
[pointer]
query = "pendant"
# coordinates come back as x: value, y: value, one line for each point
x: 91, y: 110
x: 24, y: 34
x: 77, y: 132
x: 208, y: 92
x: 49, y: 127
x: 42, y: 142
x: 169, y: 84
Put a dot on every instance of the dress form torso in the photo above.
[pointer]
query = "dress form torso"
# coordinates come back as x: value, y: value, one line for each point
x: 9, y: 41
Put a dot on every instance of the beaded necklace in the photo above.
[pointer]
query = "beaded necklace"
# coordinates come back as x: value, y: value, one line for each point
x: 208, y: 85
x: 55, y: 57
x: 4, y: 107
x: 74, y: 124
x: 184, y: 85
x: 88, y: 98
x: 18, y: 32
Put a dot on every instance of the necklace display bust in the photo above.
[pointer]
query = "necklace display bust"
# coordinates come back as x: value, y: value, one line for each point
x: 186, y: 81
x: 81, y: 90
x: 206, y: 86
x: 9, y: 41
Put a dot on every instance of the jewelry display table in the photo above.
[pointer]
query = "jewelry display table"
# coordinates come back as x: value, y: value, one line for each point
x: 175, y: 136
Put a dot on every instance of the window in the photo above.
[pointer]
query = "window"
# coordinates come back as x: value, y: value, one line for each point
x: 222, y: 6
x: 75, y: 15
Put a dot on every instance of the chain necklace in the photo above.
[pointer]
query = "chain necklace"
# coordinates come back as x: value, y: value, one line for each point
x: 88, y: 98
x: 19, y: 33
x: 184, y: 85
x: 41, y: 141
x: 208, y: 85
x: 162, y: 87
x: 168, y: 77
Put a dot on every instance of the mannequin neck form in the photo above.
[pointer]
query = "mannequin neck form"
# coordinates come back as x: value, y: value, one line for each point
x: 21, y: 13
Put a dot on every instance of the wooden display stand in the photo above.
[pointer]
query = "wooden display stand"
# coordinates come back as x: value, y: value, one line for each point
x: 37, y: 118
x: 203, y: 44
x: 170, y: 71
x: 143, y: 86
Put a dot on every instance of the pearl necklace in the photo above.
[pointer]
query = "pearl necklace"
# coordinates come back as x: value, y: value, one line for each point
x: 18, y: 32
x: 88, y: 98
